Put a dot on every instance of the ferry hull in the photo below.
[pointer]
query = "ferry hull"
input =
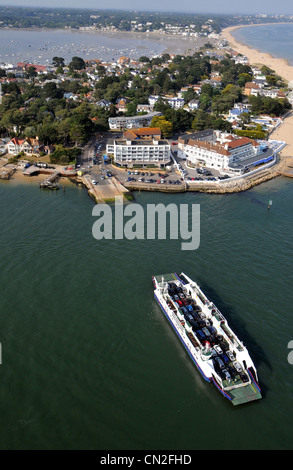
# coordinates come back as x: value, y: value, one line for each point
x: 238, y: 394
x: 207, y: 379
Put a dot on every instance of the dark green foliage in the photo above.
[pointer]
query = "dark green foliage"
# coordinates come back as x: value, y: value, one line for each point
x: 64, y: 156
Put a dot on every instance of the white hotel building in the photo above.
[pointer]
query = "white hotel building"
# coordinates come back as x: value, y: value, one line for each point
x: 131, y: 151
x: 224, y: 152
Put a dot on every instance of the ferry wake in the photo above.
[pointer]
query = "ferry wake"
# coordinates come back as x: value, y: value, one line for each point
x: 218, y: 354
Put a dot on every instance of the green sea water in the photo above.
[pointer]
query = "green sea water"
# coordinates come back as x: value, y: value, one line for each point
x: 89, y: 361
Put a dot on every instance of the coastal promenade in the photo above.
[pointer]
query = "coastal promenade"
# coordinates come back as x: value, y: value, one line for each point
x: 219, y: 187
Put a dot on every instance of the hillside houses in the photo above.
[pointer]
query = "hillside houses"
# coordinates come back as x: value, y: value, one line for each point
x: 255, y: 89
x: 174, y: 101
x: 123, y: 94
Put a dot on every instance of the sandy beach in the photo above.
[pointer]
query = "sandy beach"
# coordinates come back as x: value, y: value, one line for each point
x: 256, y: 57
x: 282, y: 68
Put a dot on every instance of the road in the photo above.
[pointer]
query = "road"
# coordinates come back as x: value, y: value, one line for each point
x: 86, y: 159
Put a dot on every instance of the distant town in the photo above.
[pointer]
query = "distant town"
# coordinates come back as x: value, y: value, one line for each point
x: 206, y: 116
x: 137, y: 21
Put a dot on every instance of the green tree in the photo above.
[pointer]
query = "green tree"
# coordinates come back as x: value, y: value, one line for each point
x: 165, y: 126
x: 50, y: 90
x: 31, y: 72
x: 78, y: 134
x: 58, y: 62
x: 77, y: 63
x: 144, y: 59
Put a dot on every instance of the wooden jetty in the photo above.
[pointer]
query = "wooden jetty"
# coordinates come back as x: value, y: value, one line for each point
x: 6, y: 173
x: 51, y: 182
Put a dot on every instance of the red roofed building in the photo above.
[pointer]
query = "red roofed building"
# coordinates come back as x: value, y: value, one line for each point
x: 143, y: 133
x: 14, y: 146
x: 251, y: 89
x: 25, y: 66
x: 219, y: 151
x: 27, y: 146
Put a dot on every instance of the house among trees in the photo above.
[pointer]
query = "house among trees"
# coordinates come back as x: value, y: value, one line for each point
x: 251, y: 89
x: 30, y: 147
x: 121, y: 106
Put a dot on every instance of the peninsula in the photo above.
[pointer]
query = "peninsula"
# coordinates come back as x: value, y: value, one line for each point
x: 215, y: 120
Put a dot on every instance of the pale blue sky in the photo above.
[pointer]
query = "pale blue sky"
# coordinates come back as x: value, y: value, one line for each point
x: 194, y: 6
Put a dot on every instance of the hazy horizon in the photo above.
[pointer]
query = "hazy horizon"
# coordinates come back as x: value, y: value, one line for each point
x: 250, y: 7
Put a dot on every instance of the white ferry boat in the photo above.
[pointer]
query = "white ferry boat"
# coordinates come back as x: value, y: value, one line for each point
x: 219, y: 355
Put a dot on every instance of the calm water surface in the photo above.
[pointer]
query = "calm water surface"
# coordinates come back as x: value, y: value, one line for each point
x: 276, y: 39
x: 89, y: 361
x: 40, y: 46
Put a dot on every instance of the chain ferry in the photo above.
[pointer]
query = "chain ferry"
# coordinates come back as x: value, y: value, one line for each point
x: 218, y: 354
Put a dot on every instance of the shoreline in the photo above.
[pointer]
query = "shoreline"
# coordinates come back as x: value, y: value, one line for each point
x: 283, y: 133
x: 159, y: 43
x: 255, y: 56
x: 282, y: 67
x: 250, y: 181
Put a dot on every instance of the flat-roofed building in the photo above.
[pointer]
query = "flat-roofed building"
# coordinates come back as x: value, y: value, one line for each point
x: 140, y: 148
x: 133, y: 122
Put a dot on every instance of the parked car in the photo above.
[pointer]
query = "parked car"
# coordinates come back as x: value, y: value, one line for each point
x: 183, y: 310
x: 218, y: 349
x: 200, y: 335
x: 226, y: 374
x: 230, y: 355
x: 219, y: 363
x: 225, y: 359
x: 206, y: 331
x: 237, y: 367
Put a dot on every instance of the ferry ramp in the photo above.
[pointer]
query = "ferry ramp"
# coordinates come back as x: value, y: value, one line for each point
x: 105, y: 192
x: 246, y: 394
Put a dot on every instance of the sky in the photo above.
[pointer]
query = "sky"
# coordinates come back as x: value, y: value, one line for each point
x: 193, y: 6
